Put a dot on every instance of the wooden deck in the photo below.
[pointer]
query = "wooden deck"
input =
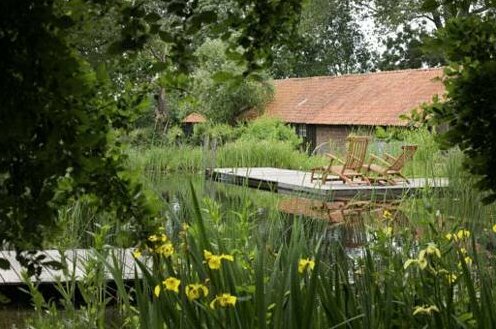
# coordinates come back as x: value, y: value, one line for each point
x: 287, y: 181
x: 77, y: 261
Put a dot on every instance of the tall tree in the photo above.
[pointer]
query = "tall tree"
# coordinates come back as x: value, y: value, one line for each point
x: 216, y: 91
x: 407, y: 23
x: 330, y: 42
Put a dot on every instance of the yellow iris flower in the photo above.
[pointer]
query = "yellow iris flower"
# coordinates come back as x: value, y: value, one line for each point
x: 224, y: 300
x: 468, y: 260
x: 432, y: 249
x: 421, y: 260
x: 463, y: 234
x: 166, y: 249
x: 214, y: 261
x: 422, y: 263
x: 460, y: 235
x: 494, y: 228
x: 388, y: 231
x: 156, y: 291
x: 425, y: 309
x: 305, y: 264
x: 170, y: 283
x: 451, y: 277
x: 136, y: 253
x: 158, y: 238
x: 195, y: 291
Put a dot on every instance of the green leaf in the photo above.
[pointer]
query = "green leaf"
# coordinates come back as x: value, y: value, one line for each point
x: 203, y: 18
x: 166, y: 36
x: 152, y: 17
x: 223, y: 76
x: 159, y: 67
x: 4, y: 264
x: 102, y: 73
x: 56, y: 265
x: 4, y: 299
x: 177, y: 7
x: 234, y: 55
x: 429, y: 5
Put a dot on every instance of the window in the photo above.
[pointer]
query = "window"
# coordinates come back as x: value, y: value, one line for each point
x: 301, y: 130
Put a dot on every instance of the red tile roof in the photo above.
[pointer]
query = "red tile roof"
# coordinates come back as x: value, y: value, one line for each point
x: 194, y: 118
x: 359, y: 99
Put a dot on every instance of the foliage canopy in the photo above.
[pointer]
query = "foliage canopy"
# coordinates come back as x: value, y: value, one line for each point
x: 60, y: 129
x: 469, y: 46
x: 61, y: 119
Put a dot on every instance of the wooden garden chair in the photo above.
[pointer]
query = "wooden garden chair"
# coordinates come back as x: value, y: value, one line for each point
x: 390, y: 167
x: 349, y: 169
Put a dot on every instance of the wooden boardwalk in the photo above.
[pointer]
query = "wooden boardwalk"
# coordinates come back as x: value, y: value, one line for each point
x: 287, y: 181
x: 77, y: 261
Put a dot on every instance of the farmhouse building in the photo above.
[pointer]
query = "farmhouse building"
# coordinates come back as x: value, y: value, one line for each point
x: 330, y: 107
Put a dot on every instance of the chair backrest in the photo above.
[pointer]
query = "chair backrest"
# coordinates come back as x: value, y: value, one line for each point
x: 357, y: 149
x: 406, y: 155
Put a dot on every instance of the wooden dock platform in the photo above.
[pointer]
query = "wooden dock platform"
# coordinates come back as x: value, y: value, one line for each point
x: 288, y: 181
x: 76, y: 260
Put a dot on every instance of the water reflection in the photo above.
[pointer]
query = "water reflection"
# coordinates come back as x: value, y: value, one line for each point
x: 349, y: 220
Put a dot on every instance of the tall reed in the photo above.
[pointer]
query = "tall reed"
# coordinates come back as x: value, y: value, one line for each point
x: 426, y: 263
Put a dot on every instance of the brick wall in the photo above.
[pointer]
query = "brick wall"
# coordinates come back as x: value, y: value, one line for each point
x: 337, y: 135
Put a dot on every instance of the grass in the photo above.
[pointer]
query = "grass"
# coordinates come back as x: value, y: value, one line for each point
x: 187, y: 159
x: 356, y: 274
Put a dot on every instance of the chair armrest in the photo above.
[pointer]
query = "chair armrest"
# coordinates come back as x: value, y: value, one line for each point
x: 375, y: 157
x: 334, y: 158
x: 389, y: 157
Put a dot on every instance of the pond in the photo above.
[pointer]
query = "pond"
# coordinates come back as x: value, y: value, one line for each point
x: 349, y: 222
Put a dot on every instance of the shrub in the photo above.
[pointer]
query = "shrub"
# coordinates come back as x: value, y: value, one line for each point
x: 270, y: 129
x: 221, y: 133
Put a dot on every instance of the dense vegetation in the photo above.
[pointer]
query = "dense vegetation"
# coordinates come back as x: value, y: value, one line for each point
x: 229, y: 256
x: 91, y: 95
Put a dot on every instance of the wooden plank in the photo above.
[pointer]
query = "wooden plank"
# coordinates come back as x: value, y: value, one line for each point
x: 14, y: 273
x: 76, y: 261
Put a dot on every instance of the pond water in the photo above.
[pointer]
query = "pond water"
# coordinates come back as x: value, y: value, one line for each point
x: 346, y: 221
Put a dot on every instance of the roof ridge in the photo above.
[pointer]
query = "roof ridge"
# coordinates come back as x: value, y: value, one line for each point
x: 362, y: 74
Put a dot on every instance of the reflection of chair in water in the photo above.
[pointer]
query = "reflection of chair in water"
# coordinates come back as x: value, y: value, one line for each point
x: 339, y: 211
x: 345, y: 211
x: 334, y: 212
x: 349, y: 169
x: 304, y: 207
x: 390, y: 166
x: 348, y: 217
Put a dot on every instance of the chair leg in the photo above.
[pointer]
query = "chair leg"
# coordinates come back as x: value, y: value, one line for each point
x: 345, y: 179
x: 324, y: 178
x: 366, y: 179
x: 406, y: 179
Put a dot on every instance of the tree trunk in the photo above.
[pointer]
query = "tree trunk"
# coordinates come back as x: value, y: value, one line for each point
x: 161, y: 111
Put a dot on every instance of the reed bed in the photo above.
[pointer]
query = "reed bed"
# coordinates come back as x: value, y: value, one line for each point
x: 226, y: 257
